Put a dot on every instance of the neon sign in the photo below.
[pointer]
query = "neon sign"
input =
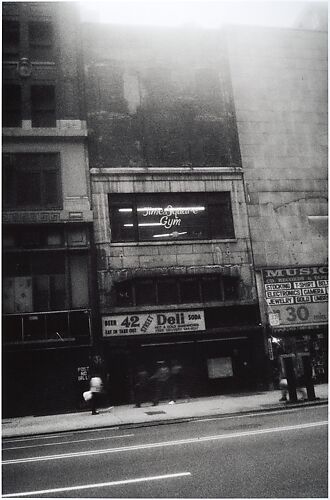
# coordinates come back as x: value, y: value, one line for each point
x: 169, y: 216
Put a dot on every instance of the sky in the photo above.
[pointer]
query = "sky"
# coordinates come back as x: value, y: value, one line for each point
x: 200, y: 13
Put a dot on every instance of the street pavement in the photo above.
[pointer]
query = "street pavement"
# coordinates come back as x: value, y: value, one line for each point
x: 272, y: 454
x: 126, y: 415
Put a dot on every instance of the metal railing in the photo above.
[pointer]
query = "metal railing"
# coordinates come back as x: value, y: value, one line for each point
x: 72, y: 325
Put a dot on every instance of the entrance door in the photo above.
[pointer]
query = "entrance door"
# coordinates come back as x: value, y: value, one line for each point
x: 182, y: 353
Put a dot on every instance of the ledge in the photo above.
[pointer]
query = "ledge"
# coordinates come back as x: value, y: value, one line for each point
x: 44, y: 132
x: 169, y: 242
x: 180, y: 307
x: 165, y: 170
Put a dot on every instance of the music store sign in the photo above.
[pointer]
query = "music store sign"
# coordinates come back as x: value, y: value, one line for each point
x: 153, y: 323
x: 296, y: 296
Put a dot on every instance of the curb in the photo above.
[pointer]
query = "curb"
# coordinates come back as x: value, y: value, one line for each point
x: 180, y: 420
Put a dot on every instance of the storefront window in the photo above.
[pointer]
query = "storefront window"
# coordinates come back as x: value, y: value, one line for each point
x: 230, y: 286
x: 124, y: 294
x: 181, y: 289
x: 167, y: 291
x: 144, y: 292
x: 170, y: 216
x: 212, y: 289
x: 190, y: 291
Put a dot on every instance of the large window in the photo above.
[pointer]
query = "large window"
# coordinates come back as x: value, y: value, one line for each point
x: 45, y: 294
x: 170, y: 216
x: 31, y: 180
x: 41, y: 41
x: 34, y: 283
x: 50, y: 326
x: 45, y: 268
x: 176, y: 290
x: 10, y: 40
x: 33, y: 40
x: 43, y: 111
x: 41, y: 108
x: 38, y: 34
x: 11, y: 106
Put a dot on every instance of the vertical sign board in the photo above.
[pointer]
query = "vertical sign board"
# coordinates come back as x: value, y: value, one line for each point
x: 296, y: 296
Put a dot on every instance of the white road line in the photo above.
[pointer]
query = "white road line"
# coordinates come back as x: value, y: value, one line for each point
x: 65, y: 442
x: 165, y: 443
x: 57, y: 434
x: 99, y: 485
x: 259, y: 414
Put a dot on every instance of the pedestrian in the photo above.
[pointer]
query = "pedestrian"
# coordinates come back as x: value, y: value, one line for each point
x: 176, y: 380
x: 141, y: 386
x: 161, y: 382
x: 96, y: 388
x: 299, y: 378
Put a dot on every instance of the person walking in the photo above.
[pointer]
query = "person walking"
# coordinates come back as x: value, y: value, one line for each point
x: 96, y: 388
x: 161, y: 382
x: 176, y: 380
x: 141, y: 386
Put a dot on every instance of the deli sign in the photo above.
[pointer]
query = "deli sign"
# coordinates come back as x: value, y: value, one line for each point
x: 296, y: 296
x: 154, y: 322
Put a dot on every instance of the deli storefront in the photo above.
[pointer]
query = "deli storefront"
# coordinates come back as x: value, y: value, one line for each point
x: 297, y: 313
x: 221, y: 349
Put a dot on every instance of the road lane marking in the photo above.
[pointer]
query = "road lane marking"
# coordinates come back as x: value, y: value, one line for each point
x: 165, y: 443
x: 66, y: 442
x: 99, y: 485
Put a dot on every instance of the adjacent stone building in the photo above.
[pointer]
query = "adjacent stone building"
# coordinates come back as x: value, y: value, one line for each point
x: 282, y: 125
x: 47, y: 217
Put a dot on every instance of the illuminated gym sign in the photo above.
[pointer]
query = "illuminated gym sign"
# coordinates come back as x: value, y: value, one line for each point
x: 168, y: 217
x: 296, y: 296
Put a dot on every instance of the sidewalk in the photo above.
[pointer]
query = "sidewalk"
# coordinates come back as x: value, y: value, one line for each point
x: 152, y: 415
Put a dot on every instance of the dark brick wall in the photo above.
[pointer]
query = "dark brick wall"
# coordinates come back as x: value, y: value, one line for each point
x: 158, y: 98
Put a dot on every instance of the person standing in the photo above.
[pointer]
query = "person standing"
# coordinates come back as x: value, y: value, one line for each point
x: 299, y: 379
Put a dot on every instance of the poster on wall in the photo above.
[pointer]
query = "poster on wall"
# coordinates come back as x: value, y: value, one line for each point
x: 220, y: 367
x: 154, y: 322
x: 296, y: 296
